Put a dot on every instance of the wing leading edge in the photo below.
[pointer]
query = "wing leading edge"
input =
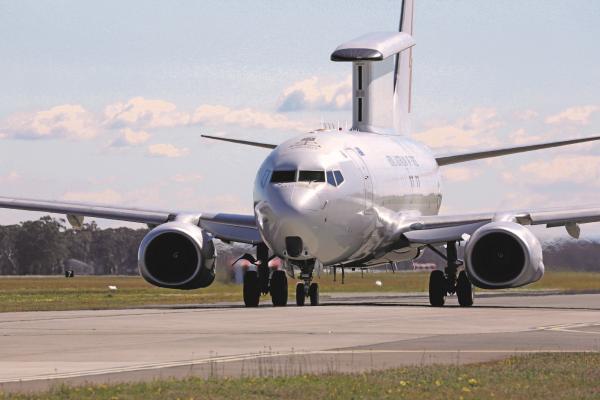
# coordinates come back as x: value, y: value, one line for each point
x: 448, y: 159
x: 228, y: 227
x: 444, y: 228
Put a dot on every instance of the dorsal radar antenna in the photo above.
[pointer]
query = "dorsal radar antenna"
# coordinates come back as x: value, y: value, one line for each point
x: 381, y: 76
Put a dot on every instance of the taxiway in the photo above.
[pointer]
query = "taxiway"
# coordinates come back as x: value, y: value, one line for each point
x: 348, y: 333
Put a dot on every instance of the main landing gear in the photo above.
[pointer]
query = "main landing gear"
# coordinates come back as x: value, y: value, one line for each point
x: 450, y: 281
x: 260, y: 280
x: 307, y: 289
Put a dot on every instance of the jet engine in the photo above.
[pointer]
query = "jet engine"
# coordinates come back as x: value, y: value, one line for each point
x: 503, y: 255
x: 177, y: 255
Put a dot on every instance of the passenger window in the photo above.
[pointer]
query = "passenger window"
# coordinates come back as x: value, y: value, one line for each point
x: 330, y: 178
x: 338, y: 177
x: 312, y: 176
x: 283, y: 176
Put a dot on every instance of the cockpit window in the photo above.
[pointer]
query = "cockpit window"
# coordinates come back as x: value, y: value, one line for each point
x: 335, y: 178
x: 283, y: 176
x: 312, y: 176
x: 339, y: 177
x: 330, y: 178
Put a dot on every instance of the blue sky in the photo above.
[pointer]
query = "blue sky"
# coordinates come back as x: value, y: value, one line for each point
x: 105, y: 101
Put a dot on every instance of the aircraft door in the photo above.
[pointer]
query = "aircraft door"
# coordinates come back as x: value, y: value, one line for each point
x: 359, y: 162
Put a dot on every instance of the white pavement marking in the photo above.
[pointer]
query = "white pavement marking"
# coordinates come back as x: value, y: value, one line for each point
x: 573, y: 328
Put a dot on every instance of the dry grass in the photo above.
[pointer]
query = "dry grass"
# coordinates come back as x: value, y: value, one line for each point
x: 91, y: 292
x: 539, y: 376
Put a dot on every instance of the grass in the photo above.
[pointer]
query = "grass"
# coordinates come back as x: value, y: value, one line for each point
x: 536, y: 376
x: 91, y: 292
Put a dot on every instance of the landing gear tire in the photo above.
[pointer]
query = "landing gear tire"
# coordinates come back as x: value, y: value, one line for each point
x: 300, y: 294
x: 313, y: 293
x: 279, y: 289
x: 464, y: 290
x: 251, y: 289
x: 437, y: 288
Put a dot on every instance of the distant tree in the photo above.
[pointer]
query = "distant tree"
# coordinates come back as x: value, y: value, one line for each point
x: 40, y: 246
x: 79, y: 241
x: 8, y: 259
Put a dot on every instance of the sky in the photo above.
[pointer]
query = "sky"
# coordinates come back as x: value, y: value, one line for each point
x: 106, y: 101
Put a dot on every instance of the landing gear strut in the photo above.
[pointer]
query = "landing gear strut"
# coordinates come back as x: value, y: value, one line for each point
x: 259, y: 279
x: 450, y: 281
x: 307, y: 288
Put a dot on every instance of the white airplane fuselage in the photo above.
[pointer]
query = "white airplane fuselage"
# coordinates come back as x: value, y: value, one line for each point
x: 385, y: 178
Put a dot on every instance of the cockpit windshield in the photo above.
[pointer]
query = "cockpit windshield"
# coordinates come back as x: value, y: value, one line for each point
x: 288, y: 176
x: 311, y: 176
x: 283, y: 176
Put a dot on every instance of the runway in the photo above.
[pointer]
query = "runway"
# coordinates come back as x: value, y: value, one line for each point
x: 348, y: 333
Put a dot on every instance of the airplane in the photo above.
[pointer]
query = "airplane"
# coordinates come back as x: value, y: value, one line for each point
x: 357, y: 197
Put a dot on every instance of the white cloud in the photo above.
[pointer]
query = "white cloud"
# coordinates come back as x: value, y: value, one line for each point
x: 477, y: 129
x: 520, y: 136
x: 312, y: 94
x: 107, y: 196
x: 523, y: 200
x: 65, y: 121
x: 575, y: 115
x: 10, y: 177
x: 134, y: 119
x: 460, y: 174
x: 580, y: 169
x: 526, y: 115
x: 245, y: 117
x: 167, y: 150
x: 129, y: 137
x: 139, y: 112
x: 187, y: 178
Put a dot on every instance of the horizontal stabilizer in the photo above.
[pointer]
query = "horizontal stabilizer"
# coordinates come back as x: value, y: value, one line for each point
x: 244, y: 142
x: 478, y: 155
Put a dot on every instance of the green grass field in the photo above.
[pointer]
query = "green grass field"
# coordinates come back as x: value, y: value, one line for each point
x: 537, y: 376
x: 91, y: 292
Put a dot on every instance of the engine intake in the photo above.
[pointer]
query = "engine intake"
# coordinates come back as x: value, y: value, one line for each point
x: 503, y: 255
x: 177, y: 255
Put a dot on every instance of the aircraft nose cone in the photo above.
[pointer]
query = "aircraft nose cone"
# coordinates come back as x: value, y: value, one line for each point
x: 295, y: 200
x: 289, y: 221
x: 305, y: 199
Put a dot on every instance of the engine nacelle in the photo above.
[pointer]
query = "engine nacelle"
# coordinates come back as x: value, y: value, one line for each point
x: 503, y: 255
x: 177, y: 255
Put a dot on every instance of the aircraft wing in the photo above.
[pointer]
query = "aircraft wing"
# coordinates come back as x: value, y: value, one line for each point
x: 447, y: 159
x: 444, y: 228
x: 228, y: 227
x: 240, y: 141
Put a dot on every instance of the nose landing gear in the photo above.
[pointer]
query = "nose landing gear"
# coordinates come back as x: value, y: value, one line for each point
x: 450, y: 281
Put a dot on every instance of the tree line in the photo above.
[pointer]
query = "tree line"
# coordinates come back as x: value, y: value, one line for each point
x: 48, y: 247
x: 45, y: 246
